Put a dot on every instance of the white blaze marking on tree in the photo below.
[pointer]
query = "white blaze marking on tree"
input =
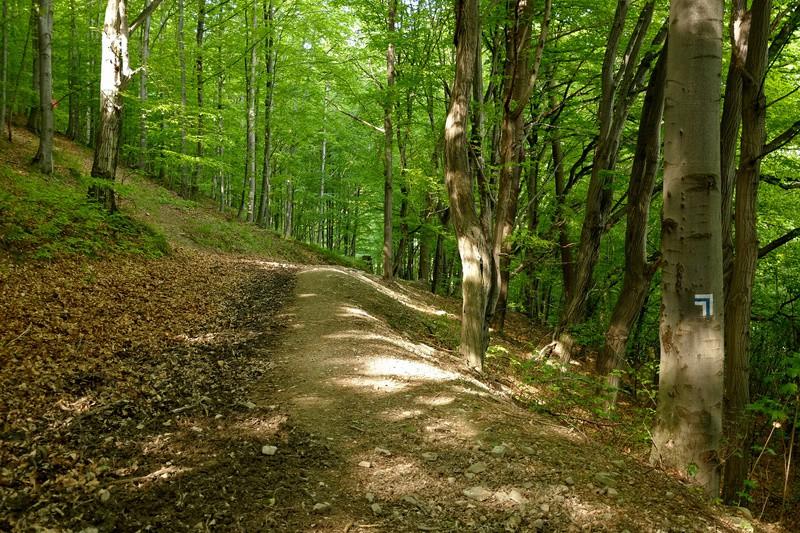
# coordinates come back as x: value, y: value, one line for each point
x: 706, y: 301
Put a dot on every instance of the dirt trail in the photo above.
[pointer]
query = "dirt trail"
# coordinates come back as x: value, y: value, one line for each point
x: 397, y: 438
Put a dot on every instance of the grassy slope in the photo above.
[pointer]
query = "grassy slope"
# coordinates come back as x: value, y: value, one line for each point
x: 45, y: 217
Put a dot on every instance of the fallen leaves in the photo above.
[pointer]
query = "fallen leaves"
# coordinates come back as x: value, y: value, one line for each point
x: 95, y: 355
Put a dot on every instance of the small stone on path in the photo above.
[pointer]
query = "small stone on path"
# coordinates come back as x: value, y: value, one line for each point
x: 478, y: 493
x: 383, y: 451
x: 477, y: 468
x: 323, y: 507
x: 365, y: 464
x: 269, y: 450
x: 499, y: 451
x: 430, y: 456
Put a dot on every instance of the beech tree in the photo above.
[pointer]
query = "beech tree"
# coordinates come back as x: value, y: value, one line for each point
x: 689, y: 418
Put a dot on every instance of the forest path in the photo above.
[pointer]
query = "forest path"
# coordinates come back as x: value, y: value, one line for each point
x: 398, y: 438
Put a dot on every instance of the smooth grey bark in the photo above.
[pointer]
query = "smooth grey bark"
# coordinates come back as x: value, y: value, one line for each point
x: 689, y: 413
x: 44, y: 155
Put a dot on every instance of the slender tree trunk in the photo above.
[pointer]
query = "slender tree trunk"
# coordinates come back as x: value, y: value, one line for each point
x: 729, y: 128
x: 250, y: 170
x: 739, y: 302
x: 143, y: 155
x: 638, y: 271
x: 323, y: 169
x: 564, y: 255
x: 44, y: 156
x: 689, y: 417
x: 221, y: 179
x: 34, y: 114
x: 288, y: 229
x: 4, y: 68
x: 184, y: 180
x: 269, y: 88
x: 388, y: 104
x: 198, y: 62
x: 73, y: 124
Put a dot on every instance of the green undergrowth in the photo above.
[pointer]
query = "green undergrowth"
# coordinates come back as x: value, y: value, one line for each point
x: 48, y: 217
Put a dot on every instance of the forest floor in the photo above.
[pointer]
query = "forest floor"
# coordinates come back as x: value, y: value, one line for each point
x: 209, y: 390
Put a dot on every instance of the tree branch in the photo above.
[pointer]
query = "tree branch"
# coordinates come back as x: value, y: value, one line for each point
x: 781, y: 140
x: 786, y: 185
x: 356, y: 118
x: 143, y: 15
x: 777, y: 243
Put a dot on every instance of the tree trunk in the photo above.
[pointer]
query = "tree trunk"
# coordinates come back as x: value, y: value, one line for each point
x: 44, y: 155
x: 34, y: 114
x: 269, y: 88
x: 689, y: 417
x: 73, y: 82
x: 729, y: 129
x: 739, y: 300
x: 477, y: 263
x: 288, y: 229
x: 184, y: 180
x: 638, y: 271
x: 388, y: 104
x: 198, y: 62
x: 143, y: 155
x: 250, y: 163
x: 4, y: 68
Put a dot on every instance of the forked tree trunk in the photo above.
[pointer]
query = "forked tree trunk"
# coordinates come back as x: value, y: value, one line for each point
x: 638, y: 271
x: 44, y: 155
x: 388, y: 104
x: 739, y: 300
x: 476, y: 254
x: 689, y: 417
